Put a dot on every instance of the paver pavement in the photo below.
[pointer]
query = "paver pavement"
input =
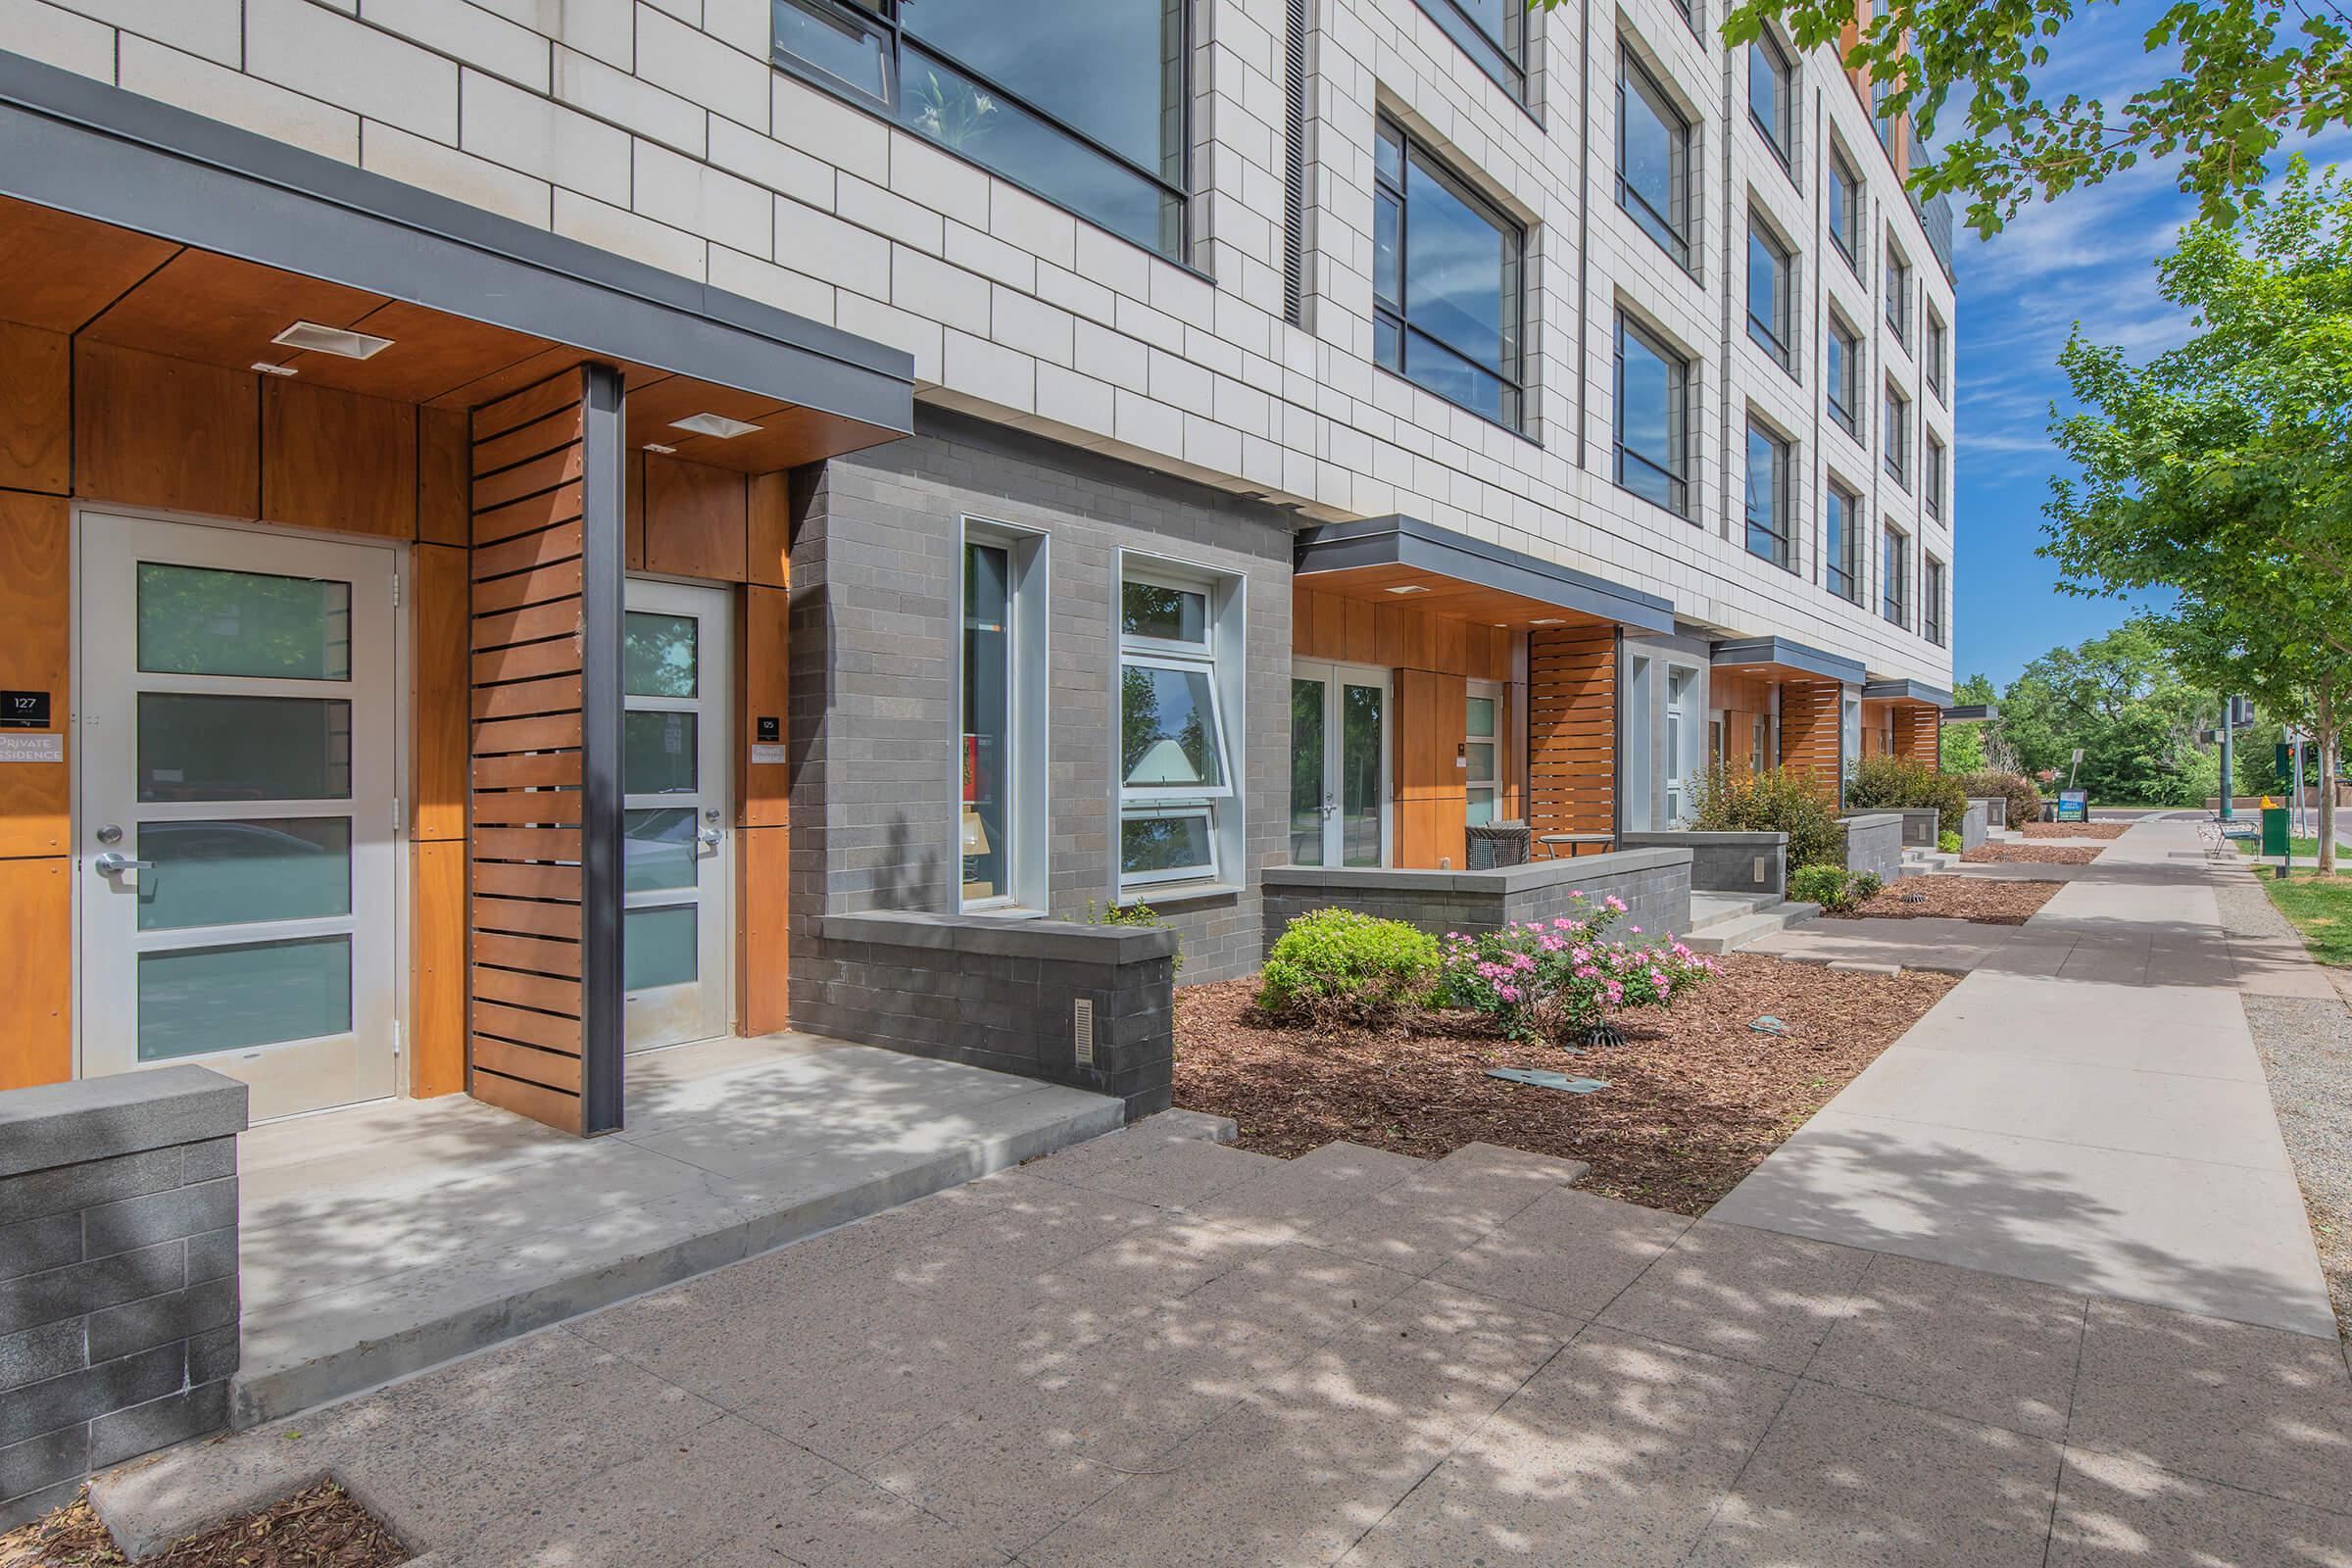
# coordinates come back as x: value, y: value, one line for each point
x: 1159, y: 1351
x: 2086, y: 1108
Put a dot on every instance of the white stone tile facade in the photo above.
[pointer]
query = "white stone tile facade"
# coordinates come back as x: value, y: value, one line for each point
x: 662, y: 131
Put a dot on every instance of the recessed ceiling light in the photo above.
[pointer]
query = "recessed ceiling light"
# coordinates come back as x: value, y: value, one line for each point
x: 1409, y: 588
x: 339, y: 341
x: 267, y: 368
x: 714, y: 424
x: 656, y: 445
x: 1548, y: 620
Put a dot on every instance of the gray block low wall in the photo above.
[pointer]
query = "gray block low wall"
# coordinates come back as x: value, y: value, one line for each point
x: 999, y: 994
x: 1973, y: 826
x: 118, y: 1274
x: 1654, y: 883
x: 1874, y: 842
x: 1725, y: 861
x: 1923, y: 826
x: 1996, y: 808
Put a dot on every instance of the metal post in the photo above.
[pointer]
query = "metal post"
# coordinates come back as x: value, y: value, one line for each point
x: 2228, y: 771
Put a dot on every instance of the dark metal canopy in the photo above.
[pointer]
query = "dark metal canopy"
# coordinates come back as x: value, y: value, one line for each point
x: 1907, y: 691
x: 1411, y: 543
x: 1784, y: 653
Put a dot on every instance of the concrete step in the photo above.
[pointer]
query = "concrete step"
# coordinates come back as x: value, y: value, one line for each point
x: 489, y: 1253
x: 1920, y: 861
x: 1710, y: 910
x: 1729, y: 936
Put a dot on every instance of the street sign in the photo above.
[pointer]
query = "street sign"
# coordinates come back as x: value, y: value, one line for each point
x: 2074, y: 805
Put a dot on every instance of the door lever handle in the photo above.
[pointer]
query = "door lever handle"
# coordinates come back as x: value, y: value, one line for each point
x: 111, y: 863
x: 710, y: 837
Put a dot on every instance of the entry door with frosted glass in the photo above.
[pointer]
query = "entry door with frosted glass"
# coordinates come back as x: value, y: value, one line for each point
x: 1339, y: 764
x: 237, y: 818
x: 1482, y: 754
x: 677, y: 921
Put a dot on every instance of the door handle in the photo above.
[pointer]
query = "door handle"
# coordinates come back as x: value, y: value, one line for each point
x: 710, y: 837
x: 113, y: 864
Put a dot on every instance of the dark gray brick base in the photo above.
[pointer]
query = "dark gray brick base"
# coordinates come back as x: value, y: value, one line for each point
x: 118, y: 1274
x: 1654, y: 883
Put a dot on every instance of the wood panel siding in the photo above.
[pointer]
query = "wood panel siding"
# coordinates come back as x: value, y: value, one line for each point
x: 444, y: 478
x: 1918, y: 734
x: 524, y: 1040
x: 437, y: 943
x: 1809, y: 729
x: 762, y: 633
x: 151, y: 432
x: 763, y: 872
x: 36, y: 971
x: 338, y: 461
x: 36, y: 410
x: 1571, y: 730
x: 37, y: 655
x: 696, y: 519
x: 769, y: 531
x: 1396, y: 636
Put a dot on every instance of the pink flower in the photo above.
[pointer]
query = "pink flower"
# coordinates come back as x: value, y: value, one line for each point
x: 1563, y: 923
x: 1507, y: 993
x: 1615, y: 903
x: 1635, y: 929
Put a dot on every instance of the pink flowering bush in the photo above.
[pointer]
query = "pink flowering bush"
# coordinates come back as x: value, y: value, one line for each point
x: 1554, y: 979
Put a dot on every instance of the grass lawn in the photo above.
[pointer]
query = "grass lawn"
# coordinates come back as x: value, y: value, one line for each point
x: 2306, y: 849
x: 2321, y: 910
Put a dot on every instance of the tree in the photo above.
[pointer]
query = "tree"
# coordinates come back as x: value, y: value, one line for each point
x: 2122, y: 701
x: 2223, y: 468
x: 2248, y: 76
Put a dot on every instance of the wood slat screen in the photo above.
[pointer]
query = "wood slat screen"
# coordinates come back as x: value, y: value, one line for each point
x: 1809, y: 728
x: 1918, y: 734
x: 526, y: 1036
x: 1571, y: 730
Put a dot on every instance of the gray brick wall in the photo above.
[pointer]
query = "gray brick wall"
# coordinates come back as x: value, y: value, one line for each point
x: 1725, y: 860
x: 1654, y: 883
x: 118, y: 1274
x: 874, y: 614
x: 999, y: 994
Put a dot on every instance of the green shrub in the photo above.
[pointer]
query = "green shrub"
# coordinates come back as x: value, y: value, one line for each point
x: 1339, y: 964
x: 1897, y: 783
x: 2025, y: 801
x: 1948, y: 842
x: 1830, y: 886
x: 1866, y: 886
x: 1732, y: 799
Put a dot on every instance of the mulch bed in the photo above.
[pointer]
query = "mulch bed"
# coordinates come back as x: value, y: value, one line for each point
x: 1989, y: 901
x: 1696, y: 1099
x: 2032, y: 854
x: 2074, y: 830
x: 322, y: 1527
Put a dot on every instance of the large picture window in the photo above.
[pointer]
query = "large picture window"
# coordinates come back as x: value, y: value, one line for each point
x: 1895, y: 581
x: 1930, y: 600
x: 1176, y: 771
x: 1843, y: 371
x: 1492, y: 32
x: 1846, y: 210
x: 1446, y: 281
x: 1653, y: 161
x: 1083, y: 102
x: 1841, y: 541
x: 1772, y: 94
x: 1894, y: 435
x: 1771, y: 293
x: 1001, y: 729
x: 1653, y: 415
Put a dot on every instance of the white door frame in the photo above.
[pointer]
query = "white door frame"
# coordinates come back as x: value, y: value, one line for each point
x: 666, y: 1016
x: 392, y: 879
x: 1334, y: 674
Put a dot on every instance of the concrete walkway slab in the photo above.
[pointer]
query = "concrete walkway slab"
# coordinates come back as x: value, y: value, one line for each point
x: 2086, y: 1108
x: 385, y: 1239
x: 1039, y: 1368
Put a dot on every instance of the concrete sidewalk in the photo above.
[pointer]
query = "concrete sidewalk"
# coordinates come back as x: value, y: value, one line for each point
x: 2087, y: 1109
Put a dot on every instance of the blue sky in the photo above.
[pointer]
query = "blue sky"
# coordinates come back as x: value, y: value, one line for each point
x: 2087, y: 258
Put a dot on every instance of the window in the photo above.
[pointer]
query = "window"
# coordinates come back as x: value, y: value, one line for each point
x: 1930, y: 600
x: 1001, y: 736
x: 1845, y: 376
x: 1493, y: 32
x: 1898, y: 296
x: 1772, y: 94
x: 1084, y: 102
x: 1769, y: 293
x: 1653, y: 159
x: 1937, y: 345
x: 1177, y: 633
x: 1639, y: 728
x: 1895, y: 581
x: 1841, y: 542
x: 1446, y: 272
x: 1930, y: 477
x: 1482, y: 750
x: 1845, y: 209
x: 1654, y: 391
x: 1767, y: 495
x: 1849, y: 741
x: 1894, y: 435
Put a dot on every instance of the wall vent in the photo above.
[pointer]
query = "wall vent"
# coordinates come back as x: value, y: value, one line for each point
x: 1082, y: 1029
x: 1293, y: 166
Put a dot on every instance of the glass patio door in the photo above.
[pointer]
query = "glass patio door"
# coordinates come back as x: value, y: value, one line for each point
x: 238, y: 817
x: 1339, y: 764
x: 676, y: 923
